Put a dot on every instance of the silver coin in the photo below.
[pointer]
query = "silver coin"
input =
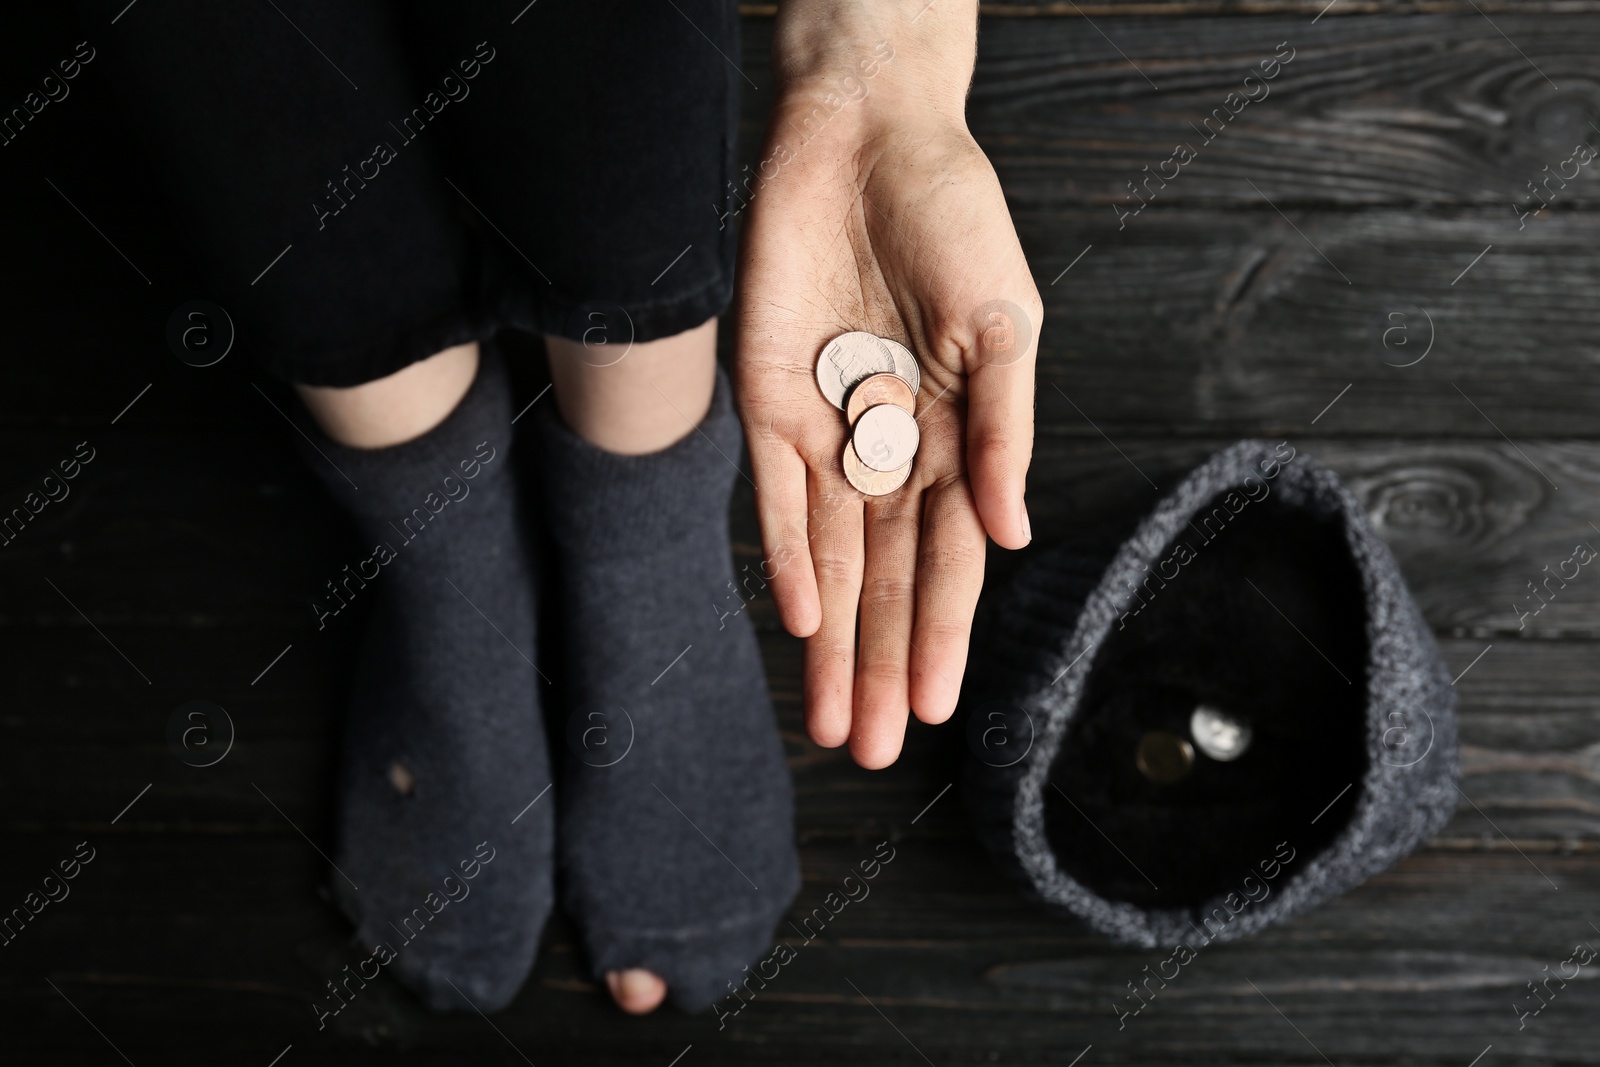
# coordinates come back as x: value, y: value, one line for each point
x: 849, y: 358
x: 905, y: 364
x: 1218, y: 734
x: 886, y: 437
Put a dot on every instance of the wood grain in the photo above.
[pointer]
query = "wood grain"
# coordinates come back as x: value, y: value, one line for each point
x: 1237, y: 320
x: 940, y: 947
x: 1426, y: 110
x: 1447, y: 510
x: 1415, y: 110
x: 1530, y: 727
x: 1243, y: 318
x: 1170, y: 8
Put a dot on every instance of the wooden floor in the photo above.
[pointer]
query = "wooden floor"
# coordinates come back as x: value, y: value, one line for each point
x: 1265, y: 291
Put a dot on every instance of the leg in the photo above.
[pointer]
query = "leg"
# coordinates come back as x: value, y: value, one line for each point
x: 637, y: 470
x: 443, y: 749
x: 634, y: 404
x: 649, y: 399
x: 396, y: 409
x: 677, y: 839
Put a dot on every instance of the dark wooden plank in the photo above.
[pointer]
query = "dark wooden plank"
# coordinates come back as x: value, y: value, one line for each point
x: 1530, y: 734
x: 1189, y: 320
x: 1424, y: 110
x: 246, y: 520
x: 230, y: 939
x: 1529, y: 720
x: 1451, y: 511
x: 1104, y: 8
x: 1437, y: 109
x: 1245, y: 320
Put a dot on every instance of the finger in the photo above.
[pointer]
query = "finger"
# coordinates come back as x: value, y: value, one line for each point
x: 1000, y: 431
x: 836, y: 556
x: 780, y: 477
x: 949, y: 579
x: 888, y: 609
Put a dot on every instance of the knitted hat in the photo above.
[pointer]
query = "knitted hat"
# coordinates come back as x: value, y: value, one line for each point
x: 1234, y: 713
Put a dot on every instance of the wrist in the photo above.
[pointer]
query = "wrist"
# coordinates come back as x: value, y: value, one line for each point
x: 890, y: 62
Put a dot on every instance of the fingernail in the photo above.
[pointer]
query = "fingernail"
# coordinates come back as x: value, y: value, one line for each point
x: 1027, y: 527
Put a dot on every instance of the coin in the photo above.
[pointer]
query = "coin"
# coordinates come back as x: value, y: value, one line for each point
x: 1218, y: 734
x: 879, y: 389
x: 886, y: 437
x: 869, y: 481
x: 1163, y: 757
x: 849, y: 358
x: 905, y: 364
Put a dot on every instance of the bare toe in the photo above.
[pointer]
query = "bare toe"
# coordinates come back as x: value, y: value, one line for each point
x: 636, y: 991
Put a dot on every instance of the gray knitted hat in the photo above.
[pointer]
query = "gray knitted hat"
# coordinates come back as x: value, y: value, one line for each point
x: 1235, y: 713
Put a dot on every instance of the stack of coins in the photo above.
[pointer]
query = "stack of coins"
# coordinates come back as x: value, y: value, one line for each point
x: 874, y: 381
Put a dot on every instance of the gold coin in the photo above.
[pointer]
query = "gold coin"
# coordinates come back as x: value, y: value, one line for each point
x: 880, y: 389
x: 869, y: 481
x: 1164, y: 757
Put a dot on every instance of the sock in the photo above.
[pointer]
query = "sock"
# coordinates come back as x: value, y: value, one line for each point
x: 677, y: 826
x: 443, y: 748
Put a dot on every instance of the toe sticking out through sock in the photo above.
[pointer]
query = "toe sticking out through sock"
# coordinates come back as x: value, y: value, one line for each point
x: 636, y: 991
x: 400, y: 776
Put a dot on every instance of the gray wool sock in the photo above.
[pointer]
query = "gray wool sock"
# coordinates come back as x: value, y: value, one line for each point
x: 440, y: 863
x: 677, y: 829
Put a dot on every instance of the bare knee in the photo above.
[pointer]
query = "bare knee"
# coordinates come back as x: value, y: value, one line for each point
x: 392, y: 410
x: 639, y: 402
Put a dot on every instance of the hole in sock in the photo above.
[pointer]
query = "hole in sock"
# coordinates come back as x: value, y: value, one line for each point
x: 1205, y: 636
x: 400, y: 776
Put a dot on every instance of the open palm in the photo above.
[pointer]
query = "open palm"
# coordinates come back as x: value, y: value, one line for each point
x: 903, y: 233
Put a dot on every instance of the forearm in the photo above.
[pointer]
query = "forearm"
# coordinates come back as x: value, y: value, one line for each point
x: 894, y: 54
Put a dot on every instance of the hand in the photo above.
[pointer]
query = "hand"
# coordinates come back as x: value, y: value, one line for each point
x: 888, y: 219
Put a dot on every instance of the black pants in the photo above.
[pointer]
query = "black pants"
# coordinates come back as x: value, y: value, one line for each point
x: 366, y: 185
